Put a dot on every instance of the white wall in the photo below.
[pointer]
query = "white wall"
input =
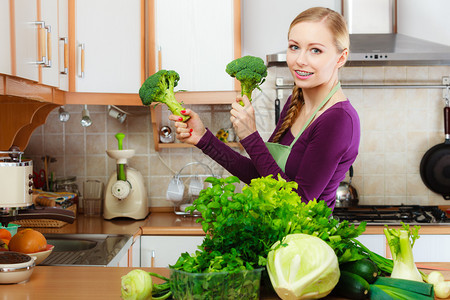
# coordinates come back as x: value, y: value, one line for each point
x: 265, y: 23
x: 428, y: 20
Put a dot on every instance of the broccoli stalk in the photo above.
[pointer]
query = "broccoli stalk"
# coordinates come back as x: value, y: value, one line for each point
x: 159, y: 88
x: 250, y: 71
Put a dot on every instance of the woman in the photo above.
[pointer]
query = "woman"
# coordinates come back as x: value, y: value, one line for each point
x: 317, y: 138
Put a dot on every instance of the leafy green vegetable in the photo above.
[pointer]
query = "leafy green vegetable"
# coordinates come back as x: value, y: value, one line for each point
x: 250, y: 71
x: 306, y: 267
x: 400, y: 243
x: 159, y: 88
x: 250, y: 222
x: 216, y: 285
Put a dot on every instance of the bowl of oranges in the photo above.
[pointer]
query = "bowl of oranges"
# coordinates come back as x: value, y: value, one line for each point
x: 27, y: 241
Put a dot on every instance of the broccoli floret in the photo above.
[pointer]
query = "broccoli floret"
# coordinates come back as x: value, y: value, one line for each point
x: 250, y: 71
x: 159, y: 88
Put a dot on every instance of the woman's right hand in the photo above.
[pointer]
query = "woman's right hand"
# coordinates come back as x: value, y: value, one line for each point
x: 191, y: 131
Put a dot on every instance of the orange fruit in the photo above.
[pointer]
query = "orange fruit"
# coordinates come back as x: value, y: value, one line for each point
x: 5, y: 234
x: 28, y: 241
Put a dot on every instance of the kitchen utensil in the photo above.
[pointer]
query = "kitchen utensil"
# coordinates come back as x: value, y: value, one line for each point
x: 15, y: 267
x: 346, y: 194
x: 125, y: 193
x: 92, y: 197
x: 435, y: 164
x: 39, y: 179
x: 166, y: 135
x: 175, y: 190
x: 195, y: 186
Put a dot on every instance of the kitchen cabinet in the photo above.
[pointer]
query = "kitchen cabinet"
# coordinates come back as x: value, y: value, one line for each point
x: 63, y: 45
x: 431, y: 248
x: 375, y: 242
x: 107, y: 44
x: 36, y: 35
x: 5, y: 38
x: 196, y: 38
x: 26, y: 56
x: 162, y: 251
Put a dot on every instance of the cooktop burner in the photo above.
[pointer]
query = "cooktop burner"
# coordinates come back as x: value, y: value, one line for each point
x: 381, y: 214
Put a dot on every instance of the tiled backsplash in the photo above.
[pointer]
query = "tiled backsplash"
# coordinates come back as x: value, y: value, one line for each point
x: 398, y: 127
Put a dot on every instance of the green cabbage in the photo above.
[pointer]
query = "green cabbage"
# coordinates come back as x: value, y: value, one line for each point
x: 136, y: 285
x: 302, y: 267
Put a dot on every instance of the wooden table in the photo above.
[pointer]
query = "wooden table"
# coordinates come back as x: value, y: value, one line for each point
x: 57, y: 282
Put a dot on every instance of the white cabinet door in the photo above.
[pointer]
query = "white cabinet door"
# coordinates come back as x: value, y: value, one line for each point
x: 136, y: 253
x: 63, y: 45
x: 432, y: 248
x: 49, y: 15
x: 162, y: 251
x: 375, y: 242
x: 25, y: 14
x: 110, y: 32
x: 5, y: 38
x: 196, y: 39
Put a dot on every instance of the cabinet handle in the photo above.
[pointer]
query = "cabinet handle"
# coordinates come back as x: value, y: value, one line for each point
x: 45, y: 45
x: 49, y: 46
x: 81, y: 74
x: 152, y: 261
x: 65, y: 55
x: 41, y: 37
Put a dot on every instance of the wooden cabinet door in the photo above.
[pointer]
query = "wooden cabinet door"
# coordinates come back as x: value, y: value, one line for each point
x: 26, y: 37
x: 196, y: 39
x: 162, y: 251
x: 108, y: 36
x: 5, y: 38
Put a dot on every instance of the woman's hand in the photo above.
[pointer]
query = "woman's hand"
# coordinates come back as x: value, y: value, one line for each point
x: 191, y: 131
x: 243, y: 117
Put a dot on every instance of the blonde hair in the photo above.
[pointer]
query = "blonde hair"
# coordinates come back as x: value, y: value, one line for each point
x: 338, y: 27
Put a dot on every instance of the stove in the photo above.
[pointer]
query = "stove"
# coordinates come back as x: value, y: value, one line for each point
x: 393, y: 214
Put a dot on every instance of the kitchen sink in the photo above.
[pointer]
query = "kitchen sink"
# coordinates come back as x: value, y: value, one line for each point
x: 86, y: 249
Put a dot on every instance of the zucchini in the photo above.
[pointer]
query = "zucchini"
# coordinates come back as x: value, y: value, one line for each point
x: 365, y: 268
x: 352, y: 286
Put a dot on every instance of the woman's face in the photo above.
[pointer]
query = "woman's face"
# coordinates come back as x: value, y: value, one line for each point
x: 312, y: 56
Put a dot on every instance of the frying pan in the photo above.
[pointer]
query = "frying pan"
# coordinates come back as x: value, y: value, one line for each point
x: 435, y: 164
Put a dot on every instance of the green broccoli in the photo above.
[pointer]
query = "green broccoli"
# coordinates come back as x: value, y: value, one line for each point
x: 250, y: 71
x: 159, y: 88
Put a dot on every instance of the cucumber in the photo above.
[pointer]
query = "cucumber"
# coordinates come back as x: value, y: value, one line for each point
x: 352, y: 286
x: 365, y: 268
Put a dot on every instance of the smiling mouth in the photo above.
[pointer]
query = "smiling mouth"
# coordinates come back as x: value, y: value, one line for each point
x: 303, y: 73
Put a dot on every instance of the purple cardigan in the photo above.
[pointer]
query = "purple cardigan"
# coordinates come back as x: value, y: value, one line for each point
x: 318, y: 161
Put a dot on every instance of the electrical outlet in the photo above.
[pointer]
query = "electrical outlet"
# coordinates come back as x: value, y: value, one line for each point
x: 279, y: 81
x: 446, y: 80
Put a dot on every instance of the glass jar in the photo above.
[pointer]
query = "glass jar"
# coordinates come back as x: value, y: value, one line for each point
x: 66, y: 184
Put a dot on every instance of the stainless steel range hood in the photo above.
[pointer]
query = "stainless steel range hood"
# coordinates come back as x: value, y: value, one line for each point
x: 381, y: 49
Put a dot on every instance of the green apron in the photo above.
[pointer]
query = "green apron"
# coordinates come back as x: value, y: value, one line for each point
x: 280, y: 153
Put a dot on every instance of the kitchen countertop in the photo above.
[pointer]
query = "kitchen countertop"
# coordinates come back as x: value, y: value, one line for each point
x: 94, y: 283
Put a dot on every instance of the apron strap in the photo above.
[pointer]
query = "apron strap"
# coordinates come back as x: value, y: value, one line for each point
x: 330, y: 94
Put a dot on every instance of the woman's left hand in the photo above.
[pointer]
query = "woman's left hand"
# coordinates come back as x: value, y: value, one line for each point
x: 243, y: 117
